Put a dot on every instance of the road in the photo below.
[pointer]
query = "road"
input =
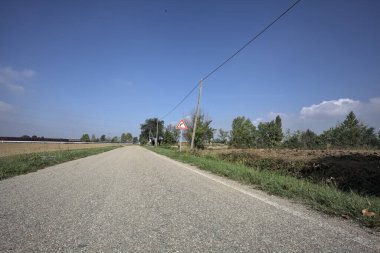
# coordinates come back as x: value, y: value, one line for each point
x: 133, y: 200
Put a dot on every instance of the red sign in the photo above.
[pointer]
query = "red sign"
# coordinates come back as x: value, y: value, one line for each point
x: 182, y: 125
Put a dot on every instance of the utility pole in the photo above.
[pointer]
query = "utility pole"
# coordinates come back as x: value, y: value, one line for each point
x: 196, y: 114
x: 157, y: 135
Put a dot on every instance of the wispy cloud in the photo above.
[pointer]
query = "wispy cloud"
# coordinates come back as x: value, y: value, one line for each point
x: 5, y: 107
x: 14, y: 80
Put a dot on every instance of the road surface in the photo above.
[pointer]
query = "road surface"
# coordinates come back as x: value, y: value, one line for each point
x: 133, y: 200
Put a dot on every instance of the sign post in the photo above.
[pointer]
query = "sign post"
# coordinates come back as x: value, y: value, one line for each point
x: 181, y: 126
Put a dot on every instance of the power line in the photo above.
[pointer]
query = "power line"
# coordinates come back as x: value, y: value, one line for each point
x: 230, y: 58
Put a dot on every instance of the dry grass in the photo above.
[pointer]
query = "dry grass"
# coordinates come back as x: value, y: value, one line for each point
x: 291, y: 154
x: 7, y: 149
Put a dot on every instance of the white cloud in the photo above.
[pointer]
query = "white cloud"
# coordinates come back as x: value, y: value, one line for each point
x: 319, y: 117
x: 13, y: 79
x: 5, y: 107
x: 330, y: 108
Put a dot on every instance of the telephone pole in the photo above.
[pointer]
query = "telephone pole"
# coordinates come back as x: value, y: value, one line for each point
x: 196, y: 114
x: 157, y: 135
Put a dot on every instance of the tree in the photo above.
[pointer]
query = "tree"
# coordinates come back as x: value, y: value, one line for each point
x: 292, y: 140
x: 149, y: 129
x: 270, y: 133
x: 93, y: 138
x: 103, y: 138
x: 85, y: 138
x: 115, y: 139
x: 171, y: 135
x: 350, y: 133
x: 203, y: 134
x: 223, y: 136
x: 126, y: 137
x: 135, y: 140
x: 309, y: 140
x: 243, y: 133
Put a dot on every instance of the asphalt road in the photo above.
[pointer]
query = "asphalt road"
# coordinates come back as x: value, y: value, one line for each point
x: 132, y: 200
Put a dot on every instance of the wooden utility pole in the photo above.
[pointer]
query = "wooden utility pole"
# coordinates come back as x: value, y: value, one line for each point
x: 157, y: 135
x: 196, y: 114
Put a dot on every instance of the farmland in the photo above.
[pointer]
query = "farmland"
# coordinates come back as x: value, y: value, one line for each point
x: 7, y: 149
x: 357, y: 170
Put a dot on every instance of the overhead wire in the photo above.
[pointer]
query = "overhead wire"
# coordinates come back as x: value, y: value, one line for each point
x: 232, y: 56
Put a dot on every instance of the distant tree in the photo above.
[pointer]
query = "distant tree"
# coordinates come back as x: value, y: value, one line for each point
x: 243, y: 133
x: 34, y: 137
x: 171, y: 135
x: 115, y: 139
x: 103, y: 138
x: 123, y: 138
x: 126, y: 137
x: 93, y: 138
x: 270, y: 133
x: 129, y: 137
x: 25, y: 137
x: 223, y: 136
x: 204, y: 132
x: 85, y: 138
x: 309, y: 140
x: 149, y: 129
x: 350, y: 133
x: 292, y: 140
x: 135, y: 140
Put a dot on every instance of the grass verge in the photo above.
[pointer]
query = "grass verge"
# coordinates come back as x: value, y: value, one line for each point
x: 324, y: 198
x: 24, y: 163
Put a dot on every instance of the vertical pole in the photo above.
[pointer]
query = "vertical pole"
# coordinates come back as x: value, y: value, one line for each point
x: 180, y: 142
x: 157, y: 135
x: 196, y: 114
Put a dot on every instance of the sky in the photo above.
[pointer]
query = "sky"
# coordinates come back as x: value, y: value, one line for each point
x: 103, y: 67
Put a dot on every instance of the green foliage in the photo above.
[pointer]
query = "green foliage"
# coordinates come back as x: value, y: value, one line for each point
x: 126, y: 137
x: 149, y: 129
x: 305, y: 140
x: 270, y: 133
x: 223, y: 136
x: 351, y: 133
x: 85, y: 138
x: 171, y: 135
x: 203, y: 134
x: 103, y: 138
x: 243, y: 133
x: 135, y: 140
x: 115, y: 139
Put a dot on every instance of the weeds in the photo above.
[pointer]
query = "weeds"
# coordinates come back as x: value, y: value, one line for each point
x: 326, y: 198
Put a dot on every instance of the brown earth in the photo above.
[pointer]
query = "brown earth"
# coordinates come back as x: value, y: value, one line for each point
x: 7, y: 149
x: 357, y: 170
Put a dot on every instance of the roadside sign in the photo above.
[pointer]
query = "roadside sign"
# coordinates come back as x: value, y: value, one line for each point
x: 182, y: 125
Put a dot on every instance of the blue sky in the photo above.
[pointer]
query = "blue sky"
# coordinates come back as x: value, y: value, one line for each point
x: 103, y: 67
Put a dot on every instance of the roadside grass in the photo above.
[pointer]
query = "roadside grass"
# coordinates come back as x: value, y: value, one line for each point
x: 14, y: 165
x: 325, y: 198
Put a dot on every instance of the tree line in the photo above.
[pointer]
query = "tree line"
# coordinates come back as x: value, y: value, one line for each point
x: 124, y: 138
x: 351, y: 133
